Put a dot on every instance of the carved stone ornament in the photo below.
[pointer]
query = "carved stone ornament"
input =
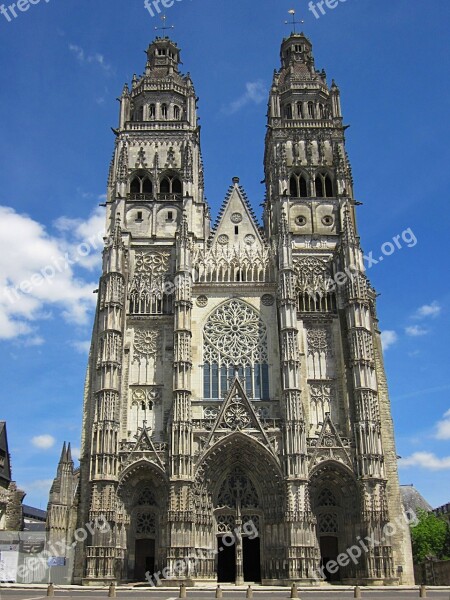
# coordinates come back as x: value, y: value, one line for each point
x: 268, y: 300
x: 319, y: 340
x: 236, y: 218
x: 146, y: 342
x: 202, y: 301
x: 236, y: 415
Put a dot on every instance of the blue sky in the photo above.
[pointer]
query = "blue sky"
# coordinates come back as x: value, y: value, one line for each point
x: 63, y: 63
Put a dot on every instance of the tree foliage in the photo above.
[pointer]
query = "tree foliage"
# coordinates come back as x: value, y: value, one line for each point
x: 430, y: 537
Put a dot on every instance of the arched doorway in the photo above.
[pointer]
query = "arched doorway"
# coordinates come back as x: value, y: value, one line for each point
x: 144, y: 520
x: 237, y: 516
x: 245, y: 484
x: 143, y: 492
x: 334, y: 502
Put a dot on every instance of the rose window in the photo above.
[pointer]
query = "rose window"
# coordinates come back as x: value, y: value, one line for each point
x: 235, y: 345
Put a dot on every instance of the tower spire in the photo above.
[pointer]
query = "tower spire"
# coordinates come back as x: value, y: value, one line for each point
x: 63, y: 453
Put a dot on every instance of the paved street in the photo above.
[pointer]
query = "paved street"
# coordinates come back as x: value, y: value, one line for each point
x: 229, y: 592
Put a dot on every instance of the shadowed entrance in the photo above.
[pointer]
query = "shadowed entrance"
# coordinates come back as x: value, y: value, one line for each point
x: 334, y: 501
x: 145, y: 558
x: 329, y: 551
x: 226, y: 562
x: 252, y: 559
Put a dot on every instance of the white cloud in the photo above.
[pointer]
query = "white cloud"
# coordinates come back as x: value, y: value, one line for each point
x: 76, y: 453
x: 426, y: 460
x: 255, y: 92
x: 39, y: 485
x: 416, y: 331
x: 95, y: 58
x: 76, y: 233
x: 388, y: 339
x: 44, y: 442
x: 443, y: 427
x: 428, y: 310
x: 82, y: 347
x: 37, y: 272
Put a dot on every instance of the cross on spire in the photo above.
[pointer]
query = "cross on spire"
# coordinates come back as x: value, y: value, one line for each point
x: 165, y: 27
x: 294, y: 23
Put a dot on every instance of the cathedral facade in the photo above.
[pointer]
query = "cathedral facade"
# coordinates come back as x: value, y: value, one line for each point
x: 235, y: 387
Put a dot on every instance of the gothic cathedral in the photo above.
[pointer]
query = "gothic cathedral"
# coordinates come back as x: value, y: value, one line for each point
x: 235, y: 384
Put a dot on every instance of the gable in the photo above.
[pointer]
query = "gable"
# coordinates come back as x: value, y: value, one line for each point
x: 237, y: 224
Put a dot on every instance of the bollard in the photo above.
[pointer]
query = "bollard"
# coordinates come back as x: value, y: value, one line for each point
x: 249, y: 592
x: 219, y: 593
x: 422, y: 591
x: 112, y: 590
x: 182, y: 591
x: 50, y: 590
x: 294, y: 591
x: 357, y: 593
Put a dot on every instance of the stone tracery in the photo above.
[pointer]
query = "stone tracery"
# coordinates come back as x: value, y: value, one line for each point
x: 235, y: 344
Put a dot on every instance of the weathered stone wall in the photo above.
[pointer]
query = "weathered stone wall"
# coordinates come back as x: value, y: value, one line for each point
x: 14, y: 515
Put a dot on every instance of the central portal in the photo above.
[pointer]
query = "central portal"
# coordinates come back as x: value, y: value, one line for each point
x: 226, y: 563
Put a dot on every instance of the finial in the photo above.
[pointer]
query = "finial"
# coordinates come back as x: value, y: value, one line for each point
x: 293, y: 22
x: 165, y: 27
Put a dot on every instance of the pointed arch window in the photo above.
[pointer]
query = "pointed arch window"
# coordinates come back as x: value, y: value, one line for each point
x: 324, y: 186
x: 300, y: 110
x: 147, y: 186
x: 152, y: 111
x: 139, y: 113
x: 288, y: 111
x: 235, y: 344
x: 164, y: 111
x: 171, y: 184
x: 311, y: 110
x: 141, y: 184
x: 135, y: 186
x: 298, y: 185
x: 176, y: 113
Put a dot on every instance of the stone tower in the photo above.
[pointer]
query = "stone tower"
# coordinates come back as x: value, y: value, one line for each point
x: 236, y: 418
x: 62, y: 504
